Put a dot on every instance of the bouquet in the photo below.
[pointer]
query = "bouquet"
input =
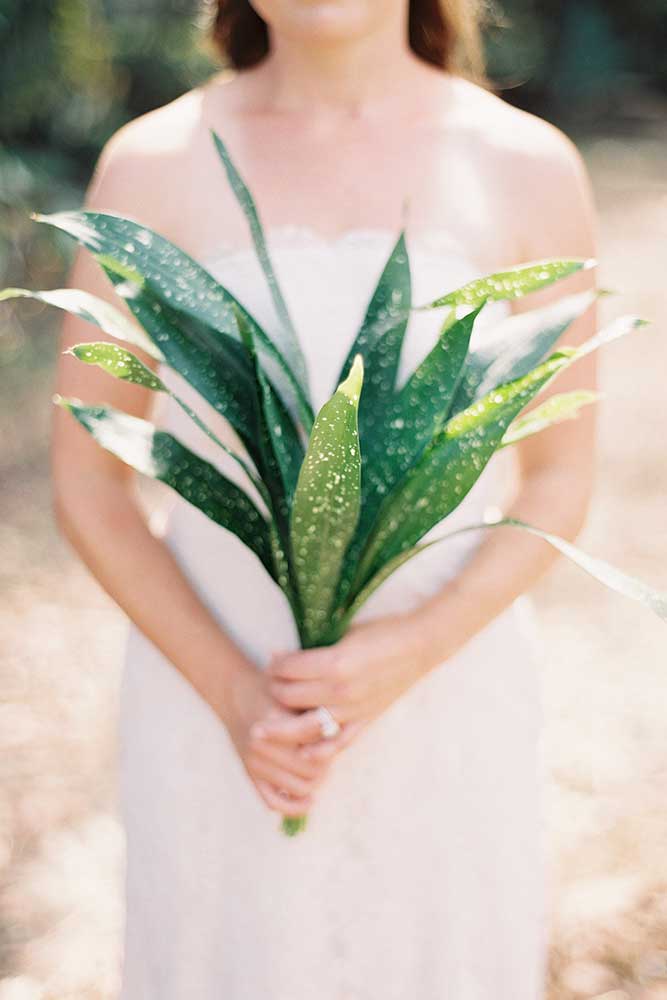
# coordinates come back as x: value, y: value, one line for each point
x: 347, y: 494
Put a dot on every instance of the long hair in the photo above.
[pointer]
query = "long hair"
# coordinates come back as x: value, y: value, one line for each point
x: 443, y: 32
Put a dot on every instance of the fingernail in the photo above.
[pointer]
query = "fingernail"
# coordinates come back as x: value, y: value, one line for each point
x: 257, y: 732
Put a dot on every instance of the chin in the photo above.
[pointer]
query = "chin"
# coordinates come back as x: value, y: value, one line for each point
x: 323, y: 21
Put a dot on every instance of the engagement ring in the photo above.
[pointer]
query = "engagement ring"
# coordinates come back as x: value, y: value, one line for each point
x: 329, y: 726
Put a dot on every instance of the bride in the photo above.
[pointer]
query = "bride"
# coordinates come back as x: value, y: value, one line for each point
x: 422, y: 872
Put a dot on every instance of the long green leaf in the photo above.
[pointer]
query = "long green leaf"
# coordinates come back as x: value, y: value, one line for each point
x: 511, y: 284
x: 326, y: 505
x: 93, y: 309
x: 213, y: 363
x: 282, y: 456
x: 516, y: 346
x: 417, y: 412
x: 283, y: 435
x: 122, y: 364
x: 160, y: 455
x: 412, y: 417
x: 560, y: 407
x: 289, y: 344
x: 380, y: 338
x: 456, y: 457
x: 177, y: 280
x: 653, y: 599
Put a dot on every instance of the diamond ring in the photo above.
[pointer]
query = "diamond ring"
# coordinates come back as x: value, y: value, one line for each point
x: 329, y: 726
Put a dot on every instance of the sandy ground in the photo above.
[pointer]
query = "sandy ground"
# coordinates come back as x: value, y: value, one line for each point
x: 61, y: 847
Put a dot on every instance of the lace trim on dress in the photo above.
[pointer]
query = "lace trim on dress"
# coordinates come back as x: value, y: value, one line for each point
x: 296, y: 236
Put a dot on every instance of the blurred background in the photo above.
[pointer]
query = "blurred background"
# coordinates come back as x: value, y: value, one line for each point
x: 72, y: 72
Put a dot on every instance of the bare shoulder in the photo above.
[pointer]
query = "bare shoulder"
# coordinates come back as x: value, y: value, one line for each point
x: 518, y: 137
x: 141, y: 164
x: 539, y: 169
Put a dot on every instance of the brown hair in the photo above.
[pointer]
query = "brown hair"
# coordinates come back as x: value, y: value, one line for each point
x: 443, y: 32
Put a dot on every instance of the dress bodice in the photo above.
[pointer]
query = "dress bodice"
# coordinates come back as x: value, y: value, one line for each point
x: 327, y: 284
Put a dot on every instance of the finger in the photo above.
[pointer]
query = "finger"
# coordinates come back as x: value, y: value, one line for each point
x: 349, y: 732
x: 290, y: 759
x: 301, y: 694
x: 290, y: 728
x: 324, y: 750
x: 302, y: 664
x: 283, y: 803
x: 279, y: 778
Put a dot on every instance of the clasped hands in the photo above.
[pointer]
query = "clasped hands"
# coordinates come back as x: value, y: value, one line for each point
x: 357, y: 679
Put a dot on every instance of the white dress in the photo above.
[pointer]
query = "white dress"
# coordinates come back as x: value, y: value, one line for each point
x: 422, y: 871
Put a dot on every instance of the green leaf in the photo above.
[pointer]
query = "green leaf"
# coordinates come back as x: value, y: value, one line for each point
x: 629, y: 586
x: 560, y: 407
x: 213, y: 363
x: 122, y: 364
x: 418, y: 411
x: 95, y: 310
x: 452, y: 463
x: 517, y: 345
x: 283, y: 572
x: 176, y: 279
x: 412, y: 417
x: 380, y: 338
x: 289, y: 344
x: 326, y: 505
x: 288, y: 452
x: 607, y: 574
x: 119, y: 362
x: 158, y: 454
x: 511, y: 284
x: 281, y: 455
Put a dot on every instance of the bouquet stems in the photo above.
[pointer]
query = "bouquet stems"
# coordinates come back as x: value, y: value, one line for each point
x: 291, y: 825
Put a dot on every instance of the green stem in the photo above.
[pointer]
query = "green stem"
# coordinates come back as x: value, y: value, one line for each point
x: 291, y: 825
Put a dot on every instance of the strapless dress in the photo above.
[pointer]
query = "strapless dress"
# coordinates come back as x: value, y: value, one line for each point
x: 422, y: 873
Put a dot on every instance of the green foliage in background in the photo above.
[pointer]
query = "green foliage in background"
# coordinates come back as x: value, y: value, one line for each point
x: 73, y: 71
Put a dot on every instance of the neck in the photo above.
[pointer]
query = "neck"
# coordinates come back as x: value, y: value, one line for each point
x: 355, y: 76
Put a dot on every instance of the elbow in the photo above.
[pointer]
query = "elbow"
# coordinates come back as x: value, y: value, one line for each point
x: 580, y: 508
x: 578, y: 505
x: 565, y: 495
x: 66, y: 511
x: 83, y: 500
x: 62, y: 511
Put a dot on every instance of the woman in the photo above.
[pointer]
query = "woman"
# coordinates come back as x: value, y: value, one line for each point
x: 421, y: 872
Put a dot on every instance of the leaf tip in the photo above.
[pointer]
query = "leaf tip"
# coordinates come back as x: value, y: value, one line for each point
x: 243, y: 327
x: 351, y: 386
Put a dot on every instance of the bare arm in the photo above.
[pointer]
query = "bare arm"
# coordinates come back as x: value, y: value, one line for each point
x: 94, y: 493
x: 556, y: 465
x: 96, y: 505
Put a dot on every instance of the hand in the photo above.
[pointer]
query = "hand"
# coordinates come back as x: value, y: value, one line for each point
x: 357, y: 678
x: 283, y: 774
